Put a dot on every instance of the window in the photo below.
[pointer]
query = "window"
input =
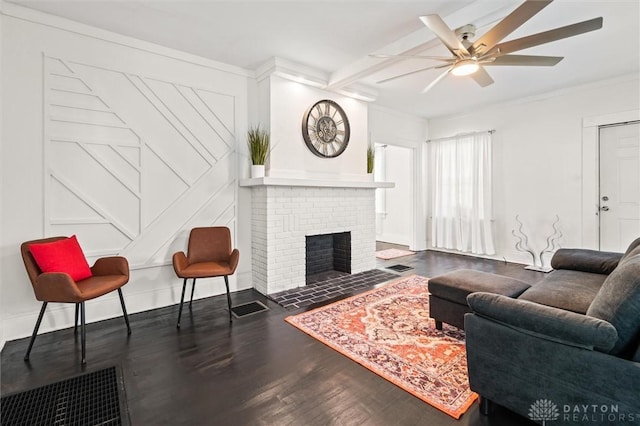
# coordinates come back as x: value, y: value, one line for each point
x: 461, y: 193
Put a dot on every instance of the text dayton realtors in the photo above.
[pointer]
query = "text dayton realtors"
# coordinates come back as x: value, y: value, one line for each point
x: 584, y: 413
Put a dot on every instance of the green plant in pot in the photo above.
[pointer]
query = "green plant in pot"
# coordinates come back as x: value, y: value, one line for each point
x: 371, y: 157
x: 259, y: 143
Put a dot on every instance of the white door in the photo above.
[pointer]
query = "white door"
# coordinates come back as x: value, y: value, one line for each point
x: 619, y: 186
x: 394, y: 206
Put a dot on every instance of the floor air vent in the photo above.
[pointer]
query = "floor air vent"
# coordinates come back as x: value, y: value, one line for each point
x: 247, y: 309
x: 399, y: 268
x: 89, y: 399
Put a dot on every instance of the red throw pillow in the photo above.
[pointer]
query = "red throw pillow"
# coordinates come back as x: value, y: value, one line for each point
x: 62, y: 256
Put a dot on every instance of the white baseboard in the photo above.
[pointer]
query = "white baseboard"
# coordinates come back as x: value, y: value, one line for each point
x: 62, y: 315
x: 394, y: 239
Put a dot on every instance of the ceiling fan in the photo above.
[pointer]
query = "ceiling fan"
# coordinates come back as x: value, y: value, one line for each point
x: 470, y: 58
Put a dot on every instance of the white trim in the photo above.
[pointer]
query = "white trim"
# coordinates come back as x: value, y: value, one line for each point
x: 590, y: 170
x: 2, y: 314
x: 326, y: 183
x: 292, y: 71
x: 61, y: 315
x: 418, y: 241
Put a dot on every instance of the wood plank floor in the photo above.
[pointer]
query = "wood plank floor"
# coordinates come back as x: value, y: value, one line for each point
x: 257, y: 371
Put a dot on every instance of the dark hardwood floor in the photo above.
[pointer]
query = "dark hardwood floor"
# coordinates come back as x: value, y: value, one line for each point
x: 257, y: 371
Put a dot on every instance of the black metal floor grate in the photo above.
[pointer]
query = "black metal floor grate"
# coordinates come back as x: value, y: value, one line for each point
x: 399, y: 268
x: 248, y: 309
x: 85, y: 400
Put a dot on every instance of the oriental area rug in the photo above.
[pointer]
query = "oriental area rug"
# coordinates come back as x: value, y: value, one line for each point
x: 392, y: 253
x: 388, y: 331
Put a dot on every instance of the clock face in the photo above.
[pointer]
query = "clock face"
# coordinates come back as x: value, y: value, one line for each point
x: 325, y: 129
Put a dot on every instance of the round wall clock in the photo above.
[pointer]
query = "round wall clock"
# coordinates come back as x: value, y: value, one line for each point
x: 325, y: 129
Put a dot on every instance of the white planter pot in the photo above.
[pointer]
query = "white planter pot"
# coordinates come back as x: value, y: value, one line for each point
x: 257, y: 170
x: 370, y: 176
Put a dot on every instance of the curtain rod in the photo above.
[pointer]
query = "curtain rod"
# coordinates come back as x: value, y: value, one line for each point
x: 492, y: 131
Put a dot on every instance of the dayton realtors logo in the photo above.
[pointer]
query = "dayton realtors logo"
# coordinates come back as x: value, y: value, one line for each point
x: 545, y: 410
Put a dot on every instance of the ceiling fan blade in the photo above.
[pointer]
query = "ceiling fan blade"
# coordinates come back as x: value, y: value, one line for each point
x: 482, y: 77
x: 437, y: 80
x: 410, y: 73
x: 548, y: 36
x: 526, y: 60
x: 510, y: 23
x: 446, y: 35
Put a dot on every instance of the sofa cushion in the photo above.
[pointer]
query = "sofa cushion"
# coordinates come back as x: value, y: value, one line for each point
x: 455, y: 286
x: 594, y: 261
x: 566, y: 289
x: 618, y: 302
x: 545, y: 322
x: 632, y: 250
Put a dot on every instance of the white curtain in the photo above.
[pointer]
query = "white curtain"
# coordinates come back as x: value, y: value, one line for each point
x: 461, y: 193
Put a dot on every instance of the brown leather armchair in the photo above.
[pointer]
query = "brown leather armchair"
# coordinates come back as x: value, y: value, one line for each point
x: 108, y: 274
x: 209, y: 254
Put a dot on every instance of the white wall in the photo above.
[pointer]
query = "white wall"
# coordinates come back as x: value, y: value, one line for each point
x: 402, y: 132
x: 290, y: 157
x: 124, y: 143
x: 538, y: 158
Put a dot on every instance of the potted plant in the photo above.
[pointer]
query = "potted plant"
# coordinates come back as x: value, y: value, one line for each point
x: 371, y: 156
x: 258, y: 141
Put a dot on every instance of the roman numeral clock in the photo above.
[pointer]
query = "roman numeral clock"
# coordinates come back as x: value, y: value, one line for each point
x: 325, y: 129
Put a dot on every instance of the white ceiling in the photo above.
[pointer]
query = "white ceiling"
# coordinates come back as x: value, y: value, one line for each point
x: 336, y: 37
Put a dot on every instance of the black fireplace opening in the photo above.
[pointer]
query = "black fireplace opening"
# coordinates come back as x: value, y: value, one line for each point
x: 328, y: 252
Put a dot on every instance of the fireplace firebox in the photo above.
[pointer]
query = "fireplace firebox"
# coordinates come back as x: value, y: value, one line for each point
x: 328, y: 252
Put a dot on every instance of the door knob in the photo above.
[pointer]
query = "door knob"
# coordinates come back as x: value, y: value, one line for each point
x: 605, y: 198
x: 604, y: 208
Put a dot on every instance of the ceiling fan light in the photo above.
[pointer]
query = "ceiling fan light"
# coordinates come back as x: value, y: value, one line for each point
x: 465, y: 67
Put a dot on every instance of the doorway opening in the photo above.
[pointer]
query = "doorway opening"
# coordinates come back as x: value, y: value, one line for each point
x: 395, y: 206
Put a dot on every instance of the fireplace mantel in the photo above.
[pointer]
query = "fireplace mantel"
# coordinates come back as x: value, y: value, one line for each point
x: 313, y: 183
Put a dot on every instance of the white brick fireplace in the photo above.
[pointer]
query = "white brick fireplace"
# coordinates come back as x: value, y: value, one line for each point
x: 285, y: 211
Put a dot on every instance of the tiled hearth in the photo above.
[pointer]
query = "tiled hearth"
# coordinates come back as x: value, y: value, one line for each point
x: 329, y: 286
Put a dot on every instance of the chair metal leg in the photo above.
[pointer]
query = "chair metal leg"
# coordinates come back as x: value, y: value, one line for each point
x: 35, y: 331
x: 124, y: 311
x: 83, y: 333
x: 75, y: 324
x: 226, y: 282
x: 184, y: 286
x: 193, y: 287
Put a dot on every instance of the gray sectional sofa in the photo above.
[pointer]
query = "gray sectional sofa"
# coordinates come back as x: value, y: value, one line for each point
x: 566, y: 349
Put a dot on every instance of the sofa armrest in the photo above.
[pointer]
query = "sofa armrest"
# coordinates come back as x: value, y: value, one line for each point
x: 545, y: 322
x: 596, y: 262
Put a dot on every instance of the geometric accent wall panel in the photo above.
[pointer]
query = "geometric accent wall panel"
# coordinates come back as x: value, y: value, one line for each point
x: 133, y: 162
